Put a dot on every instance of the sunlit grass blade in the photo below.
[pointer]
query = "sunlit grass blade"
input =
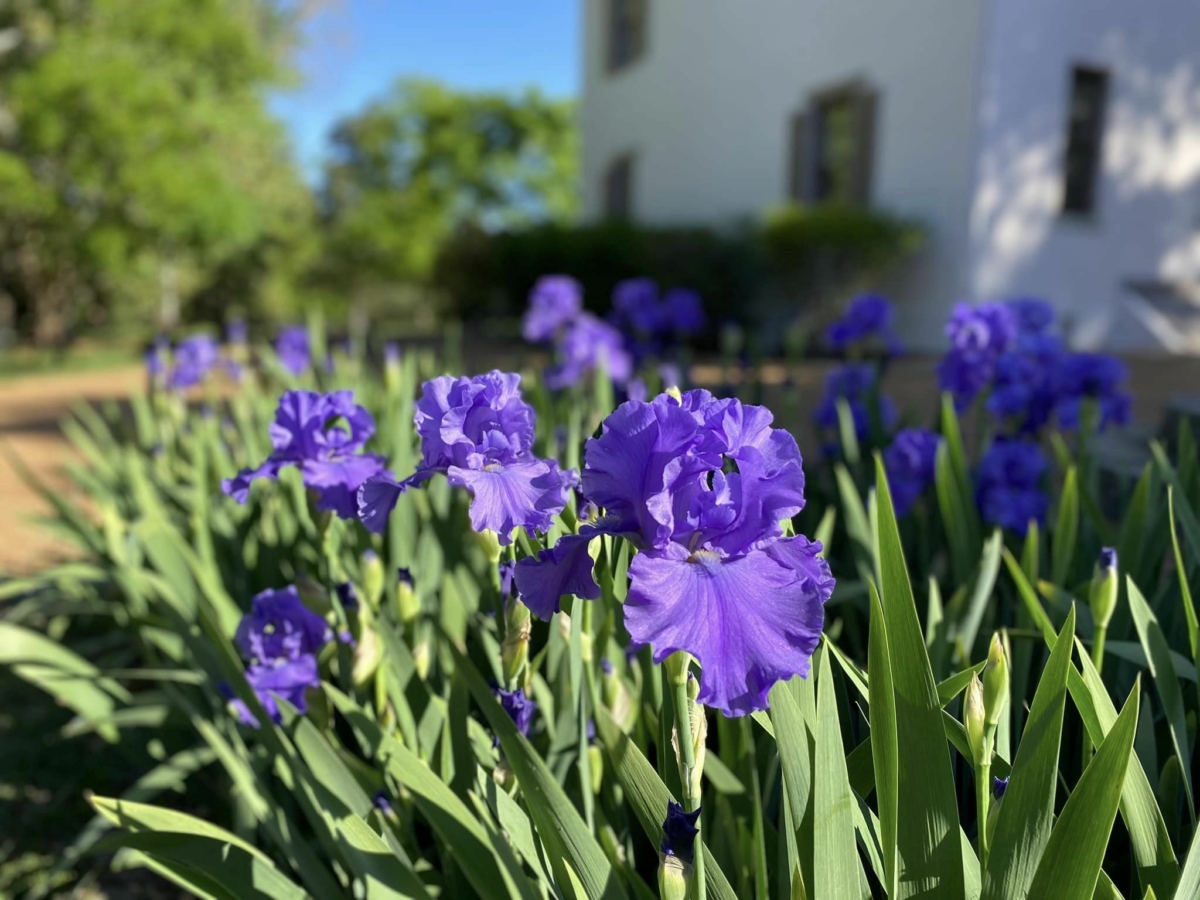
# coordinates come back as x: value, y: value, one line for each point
x: 1023, y: 822
x: 928, y: 848
x: 1185, y: 589
x: 558, y: 823
x: 884, y: 753
x: 981, y: 593
x: 1162, y: 670
x: 647, y: 796
x: 1062, y: 546
x: 795, y: 756
x: 835, y: 857
x: 1070, y: 865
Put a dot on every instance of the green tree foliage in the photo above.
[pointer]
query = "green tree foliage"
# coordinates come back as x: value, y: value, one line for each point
x: 137, y: 155
x: 425, y: 160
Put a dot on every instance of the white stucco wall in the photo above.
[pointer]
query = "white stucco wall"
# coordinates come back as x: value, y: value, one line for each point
x: 706, y: 111
x: 1148, y: 204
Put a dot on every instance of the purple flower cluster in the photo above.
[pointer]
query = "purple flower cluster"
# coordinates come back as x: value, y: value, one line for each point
x: 322, y: 435
x: 279, y: 639
x: 293, y: 350
x: 979, y: 336
x: 702, y: 487
x: 910, y: 462
x: 1009, y: 484
x: 583, y: 342
x: 867, y: 324
x: 190, y: 364
x: 520, y: 709
x: 1010, y: 351
x: 478, y: 432
x: 653, y: 322
x: 1095, y: 378
x: 857, y: 384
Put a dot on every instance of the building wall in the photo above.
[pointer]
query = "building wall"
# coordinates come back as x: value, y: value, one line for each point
x: 706, y: 112
x: 1148, y: 205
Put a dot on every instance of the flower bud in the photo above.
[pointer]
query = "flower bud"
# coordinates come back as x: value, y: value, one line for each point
x: 698, y: 729
x: 974, y: 718
x: 1105, y: 585
x: 676, y: 666
x: 674, y: 392
x: 489, y: 542
x: 514, y: 653
x: 596, y: 767
x: 372, y: 578
x: 422, y: 659
x: 674, y: 878
x: 503, y: 775
x: 367, y: 654
x: 407, y: 604
x: 995, y: 682
x: 391, y: 366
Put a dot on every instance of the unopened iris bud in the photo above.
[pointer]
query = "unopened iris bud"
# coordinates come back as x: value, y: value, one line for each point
x: 489, y: 541
x: 1105, y: 586
x: 677, y: 665
x: 422, y: 659
x: 995, y: 682
x: 975, y: 719
x: 372, y: 577
x: 514, y: 654
x: 367, y: 655
x: 391, y: 365
x: 674, y: 392
x: 678, y: 849
x: 407, y: 604
x: 674, y: 878
x: 596, y: 767
x: 698, y: 728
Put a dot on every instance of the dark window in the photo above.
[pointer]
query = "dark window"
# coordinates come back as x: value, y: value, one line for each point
x: 618, y: 188
x: 1085, y: 132
x: 832, y: 147
x: 626, y: 32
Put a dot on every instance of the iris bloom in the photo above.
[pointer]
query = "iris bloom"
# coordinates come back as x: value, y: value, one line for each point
x: 855, y: 383
x: 1033, y: 316
x: 1097, y: 377
x: 1008, y: 484
x: 1028, y: 382
x: 978, y: 335
x: 519, y: 708
x: 585, y: 343
x: 293, y: 349
x: 910, y: 462
x: 679, y: 832
x: 478, y: 432
x: 322, y: 435
x: 867, y: 319
x: 702, y: 487
x: 279, y: 639
x: 553, y: 303
x: 194, y: 358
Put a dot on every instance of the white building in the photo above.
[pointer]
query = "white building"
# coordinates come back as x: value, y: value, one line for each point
x: 1050, y: 147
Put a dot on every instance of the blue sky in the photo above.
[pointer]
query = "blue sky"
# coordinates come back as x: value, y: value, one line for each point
x: 354, y: 49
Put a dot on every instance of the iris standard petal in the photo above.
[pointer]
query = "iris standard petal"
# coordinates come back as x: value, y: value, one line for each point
x: 750, y: 620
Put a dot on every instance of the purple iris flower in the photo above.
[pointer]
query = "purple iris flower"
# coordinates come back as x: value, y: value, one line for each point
x: 194, y: 358
x: 637, y: 390
x: 519, y: 708
x: 1098, y: 377
x: 1008, y: 484
x: 978, y: 335
x: 586, y: 342
x: 679, y: 832
x: 683, y: 311
x: 293, y: 349
x: 702, y: 487
x: 157, y: 358
x: 669, y: 373
x: 382, y: 802
x: 508, y: 569
x: 236, y: 332
x: 479, y: 433
x: 554, y: 303
x: 391, y: 353
x: 321, y: 434
x: 999, y: 787
x: 1027, y: 382
x: 279, y: 639
x: 636, y: 305
x: 1108, y: 558
x: 868, y: 318
x: 910, y: 462
x: 279, y: 626
x: 1033, y: 316
x: 856, y: 383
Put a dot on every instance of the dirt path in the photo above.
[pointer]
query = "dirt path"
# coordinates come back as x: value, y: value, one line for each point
x: 31, y: 409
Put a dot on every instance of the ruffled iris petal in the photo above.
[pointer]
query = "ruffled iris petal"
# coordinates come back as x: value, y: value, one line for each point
x: 518, y: 495
x: 750, y: 620
x: 238, y: 487
x: 562, y: 570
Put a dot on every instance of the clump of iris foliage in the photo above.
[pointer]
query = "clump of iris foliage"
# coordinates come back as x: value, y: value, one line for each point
x: 404, y: 632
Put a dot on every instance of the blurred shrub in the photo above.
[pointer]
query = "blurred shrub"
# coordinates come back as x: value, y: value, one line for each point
x: 783, y: 265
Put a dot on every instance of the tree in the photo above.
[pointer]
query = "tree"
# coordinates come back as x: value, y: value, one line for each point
x: 137, y: 154
x: 425, y: 160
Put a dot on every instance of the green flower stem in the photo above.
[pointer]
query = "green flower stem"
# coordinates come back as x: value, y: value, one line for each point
x: 677, y: 675
x: 1098, y: 637
x: 983, y: 796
